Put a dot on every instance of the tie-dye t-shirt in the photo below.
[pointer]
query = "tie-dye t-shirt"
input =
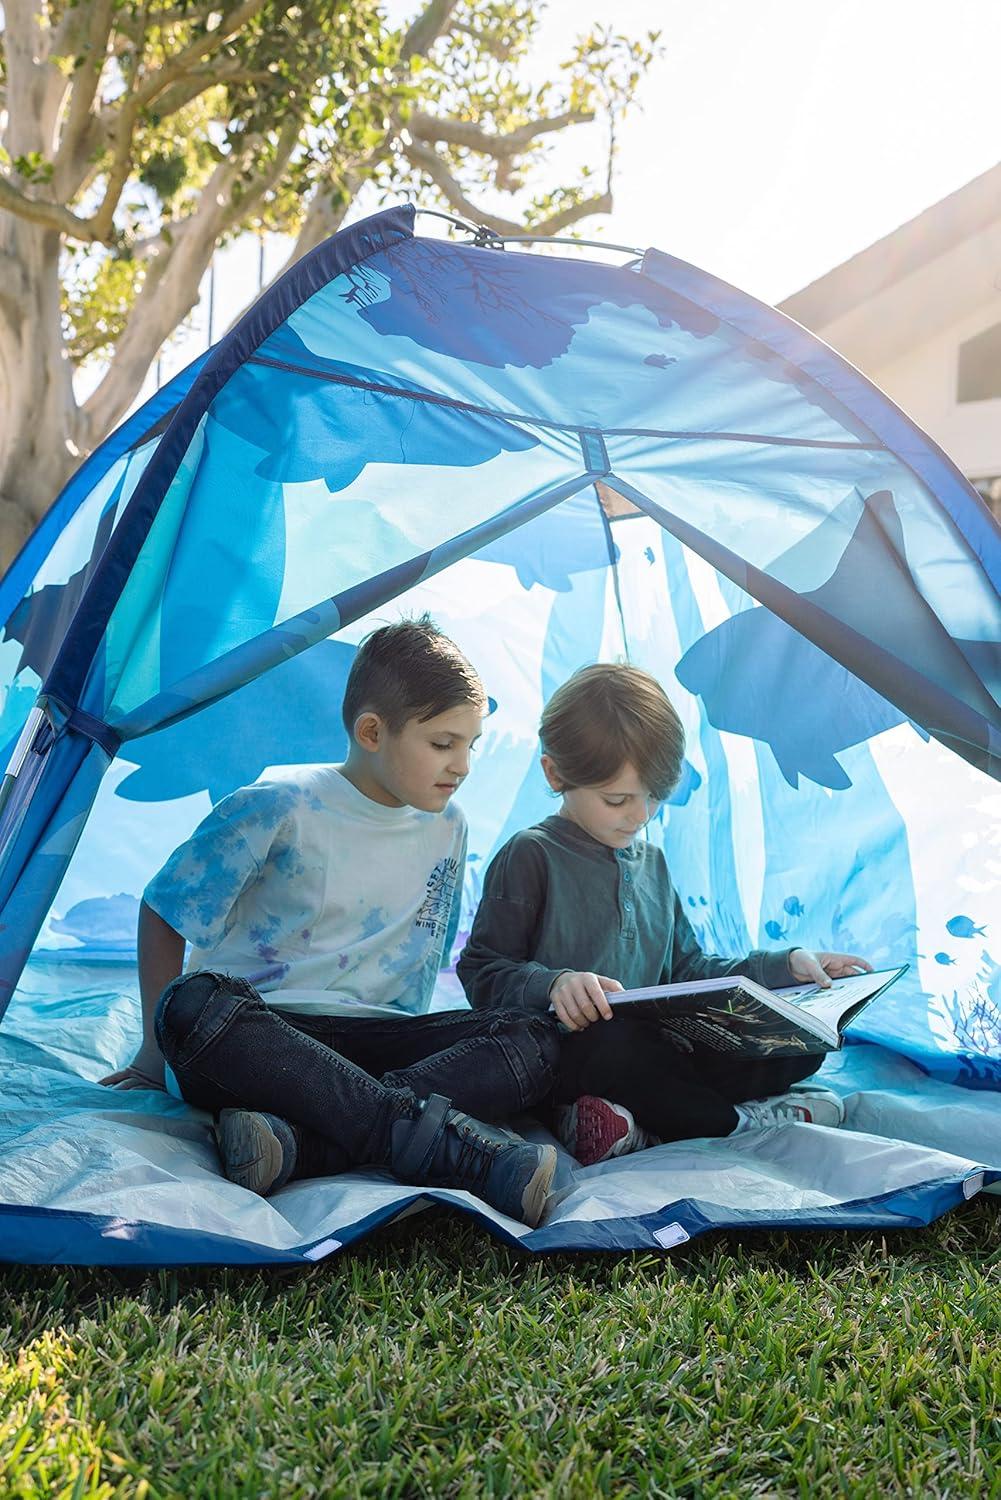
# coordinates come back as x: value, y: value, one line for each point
x: 327, y: 901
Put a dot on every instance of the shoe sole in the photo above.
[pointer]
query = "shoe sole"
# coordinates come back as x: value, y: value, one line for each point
x: 831, y: 1122
x: 251, y: 1152
x: 600, y: 1129
x: 536, y: 1194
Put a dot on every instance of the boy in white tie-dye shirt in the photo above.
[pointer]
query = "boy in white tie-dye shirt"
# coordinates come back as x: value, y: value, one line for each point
x: 319, y: 906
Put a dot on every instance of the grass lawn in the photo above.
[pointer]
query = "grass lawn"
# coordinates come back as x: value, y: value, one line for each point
x: 431, y: 1361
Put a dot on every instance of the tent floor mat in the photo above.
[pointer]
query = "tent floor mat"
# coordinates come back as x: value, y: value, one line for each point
x: 91, y: 1176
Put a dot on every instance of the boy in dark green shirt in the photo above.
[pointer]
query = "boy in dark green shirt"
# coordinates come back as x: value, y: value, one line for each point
x: 575, y: 908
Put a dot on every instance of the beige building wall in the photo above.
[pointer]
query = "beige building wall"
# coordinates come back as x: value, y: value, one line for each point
x: 901, y: 310
x: 923, y: 382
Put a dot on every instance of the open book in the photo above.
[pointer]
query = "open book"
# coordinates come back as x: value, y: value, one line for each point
x: 738, y: 1016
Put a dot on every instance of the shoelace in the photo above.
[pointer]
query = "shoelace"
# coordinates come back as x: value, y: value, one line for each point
x: 795, y: 1112
x: 474, y: 1162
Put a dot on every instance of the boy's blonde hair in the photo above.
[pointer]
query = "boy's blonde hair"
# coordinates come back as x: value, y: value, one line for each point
x: 607, y: 715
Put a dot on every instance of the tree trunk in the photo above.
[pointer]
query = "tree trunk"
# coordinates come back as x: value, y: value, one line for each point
x: 38, y: 414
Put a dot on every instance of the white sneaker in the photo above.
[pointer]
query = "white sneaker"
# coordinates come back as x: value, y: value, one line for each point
x: 803, y: 1106
x: 594, y: 1129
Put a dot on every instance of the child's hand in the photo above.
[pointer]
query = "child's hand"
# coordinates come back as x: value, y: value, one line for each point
x: 578, y: 999
x: 145, y: 1071
x: 821, y: 968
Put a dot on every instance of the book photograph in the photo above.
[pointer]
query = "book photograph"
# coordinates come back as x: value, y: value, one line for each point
x: 737, y: 1015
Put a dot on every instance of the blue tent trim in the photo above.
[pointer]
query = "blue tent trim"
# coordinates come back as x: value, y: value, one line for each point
x: 129, y: 435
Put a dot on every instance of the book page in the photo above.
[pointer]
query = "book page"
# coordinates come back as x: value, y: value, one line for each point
x: 833, y: 1006
x: 681, y: 987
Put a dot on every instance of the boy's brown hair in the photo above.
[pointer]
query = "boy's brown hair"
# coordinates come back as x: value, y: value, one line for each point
x: 409, y: 670
x: 607, y: 715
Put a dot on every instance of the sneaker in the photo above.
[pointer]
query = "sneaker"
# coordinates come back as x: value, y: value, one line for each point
x: 803, y: 1106
x: 595, y: 1129
x: 258, y: 1150
x: 443, y: 1147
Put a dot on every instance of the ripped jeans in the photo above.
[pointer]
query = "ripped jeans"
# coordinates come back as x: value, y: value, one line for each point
x: 344, y: 1080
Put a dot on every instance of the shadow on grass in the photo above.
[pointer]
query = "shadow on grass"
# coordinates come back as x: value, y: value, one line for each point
x: 440, y: 1244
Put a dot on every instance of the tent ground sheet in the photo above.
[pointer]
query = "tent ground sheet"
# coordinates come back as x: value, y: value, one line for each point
x: 91, y: 1176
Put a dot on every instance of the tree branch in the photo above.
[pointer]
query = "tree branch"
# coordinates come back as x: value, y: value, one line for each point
x: 425, y: 30
x: 168, y: 294
x: 180, y: 14
x: 172, y: 283
x: 22, y: 30
x: 428, y: 128
x: 118, y: 175
x: 49, y: 215
x: 174, y: 98
x: 140, y: 97
x: 196, y: 52
x: 87, y: 77
x: 428, y: 160
x: 556, y: 223
x: 181, y: 93
x: 69, y: 37
x: 34, y: 87
x: 323, y: 216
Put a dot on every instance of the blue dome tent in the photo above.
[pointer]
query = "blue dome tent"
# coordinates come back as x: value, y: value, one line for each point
x: 563, y: 461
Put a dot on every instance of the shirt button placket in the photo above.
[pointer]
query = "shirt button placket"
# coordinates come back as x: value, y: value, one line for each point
x: 628, y: 930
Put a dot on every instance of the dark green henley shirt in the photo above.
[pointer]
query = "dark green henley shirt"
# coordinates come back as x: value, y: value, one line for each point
x: 554, y: 898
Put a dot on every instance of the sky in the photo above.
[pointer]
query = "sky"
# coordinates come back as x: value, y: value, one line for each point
x: 776, y: 138
x: 770, y: 141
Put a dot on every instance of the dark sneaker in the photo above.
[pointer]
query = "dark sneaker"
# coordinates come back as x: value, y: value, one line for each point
x: 443, y: 1147
x: 258, y: 1150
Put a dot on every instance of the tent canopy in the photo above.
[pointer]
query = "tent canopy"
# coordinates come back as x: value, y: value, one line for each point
x: 564, y: 461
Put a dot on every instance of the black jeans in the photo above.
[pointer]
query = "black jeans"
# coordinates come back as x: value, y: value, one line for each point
x: 676, y: 1095
x: 344, y: 1081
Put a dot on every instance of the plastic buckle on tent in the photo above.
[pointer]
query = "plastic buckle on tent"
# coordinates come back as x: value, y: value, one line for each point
x: 485, y: 238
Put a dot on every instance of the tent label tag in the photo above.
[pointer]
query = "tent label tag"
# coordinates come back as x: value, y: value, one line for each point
x: 671, y: 1234
x: 325, y: 1247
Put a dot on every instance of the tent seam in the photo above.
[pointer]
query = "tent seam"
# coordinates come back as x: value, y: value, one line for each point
x: 434, y: 399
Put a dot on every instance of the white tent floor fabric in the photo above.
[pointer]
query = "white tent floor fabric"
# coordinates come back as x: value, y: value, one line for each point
x: 140, y: 1167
